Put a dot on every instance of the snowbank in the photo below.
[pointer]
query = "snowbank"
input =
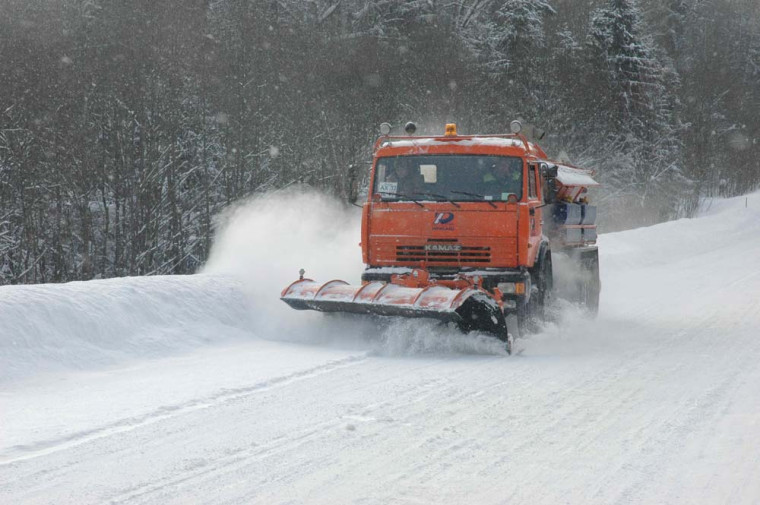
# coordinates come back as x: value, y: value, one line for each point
x: 259, y: 248
x: 697, y: 264
x: 89, y: 324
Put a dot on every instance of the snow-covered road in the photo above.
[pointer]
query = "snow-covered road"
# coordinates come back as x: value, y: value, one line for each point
x: 203, y: 389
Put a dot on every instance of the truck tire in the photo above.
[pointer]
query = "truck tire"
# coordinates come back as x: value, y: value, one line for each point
x: 530, y: 315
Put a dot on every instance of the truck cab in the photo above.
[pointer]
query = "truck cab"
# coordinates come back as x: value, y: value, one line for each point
x: 454, y: 204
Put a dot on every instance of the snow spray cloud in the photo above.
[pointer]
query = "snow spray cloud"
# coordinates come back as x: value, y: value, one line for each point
x: 264, y: 241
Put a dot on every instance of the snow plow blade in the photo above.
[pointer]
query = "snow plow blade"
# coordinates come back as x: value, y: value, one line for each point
x: 470, y: 308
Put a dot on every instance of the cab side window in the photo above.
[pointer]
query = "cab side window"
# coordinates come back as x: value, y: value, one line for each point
x: 532, y: 182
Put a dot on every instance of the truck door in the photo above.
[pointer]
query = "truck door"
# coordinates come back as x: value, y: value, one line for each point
x: 534, y: 202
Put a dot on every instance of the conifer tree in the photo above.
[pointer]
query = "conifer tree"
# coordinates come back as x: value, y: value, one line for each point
x: 637, y: 112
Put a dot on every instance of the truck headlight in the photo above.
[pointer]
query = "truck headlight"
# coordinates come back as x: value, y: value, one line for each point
x: 508, y: 288
x: 512, y: 288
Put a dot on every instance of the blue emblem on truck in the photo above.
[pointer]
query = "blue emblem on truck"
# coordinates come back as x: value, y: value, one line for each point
x: 444, y: 221
x: 443, y: 218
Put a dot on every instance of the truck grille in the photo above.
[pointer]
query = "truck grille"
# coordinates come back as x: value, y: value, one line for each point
x: 443, y: 251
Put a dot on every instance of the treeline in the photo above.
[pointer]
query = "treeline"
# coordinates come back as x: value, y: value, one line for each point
x: 126, y: 126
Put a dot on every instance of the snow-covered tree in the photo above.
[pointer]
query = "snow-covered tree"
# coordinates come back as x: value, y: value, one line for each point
x: 502, y: 33
x: 637, y: 110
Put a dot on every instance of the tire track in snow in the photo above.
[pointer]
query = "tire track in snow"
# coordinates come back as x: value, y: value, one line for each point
x: 401, y: 416
x: 221, y: 465
x: 699, y: 414
x: 290, y: 442
x: 20, y: 453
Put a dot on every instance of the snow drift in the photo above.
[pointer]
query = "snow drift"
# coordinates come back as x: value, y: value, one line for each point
x: 260, y: 246
x: 89, y: 324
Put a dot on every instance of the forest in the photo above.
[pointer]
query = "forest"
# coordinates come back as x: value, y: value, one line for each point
x: 126, y: 128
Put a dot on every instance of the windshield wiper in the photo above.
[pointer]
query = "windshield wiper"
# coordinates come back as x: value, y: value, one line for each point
x: 435, y: 195
x: 489, y: 202
x: 402, y: 196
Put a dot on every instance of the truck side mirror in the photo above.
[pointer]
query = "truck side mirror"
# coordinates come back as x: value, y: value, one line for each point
x: 549, y: 174
x: 548, y: 171
x: 353, y: 184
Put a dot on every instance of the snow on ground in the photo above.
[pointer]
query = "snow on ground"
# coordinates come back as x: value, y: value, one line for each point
x: 207, y: 389
x: 84, y: 325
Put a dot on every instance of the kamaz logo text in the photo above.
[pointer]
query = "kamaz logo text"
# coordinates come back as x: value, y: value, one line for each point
x: 443, y: 218
x: 443, y: 247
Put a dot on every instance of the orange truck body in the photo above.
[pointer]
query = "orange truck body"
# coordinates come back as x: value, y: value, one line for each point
x: 496, y: 235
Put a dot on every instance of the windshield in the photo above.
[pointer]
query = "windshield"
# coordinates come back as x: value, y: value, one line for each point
x: 449, y: 177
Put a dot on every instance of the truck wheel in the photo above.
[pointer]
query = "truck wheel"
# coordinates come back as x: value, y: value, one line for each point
x: 542, y: 287
x: 526, y: 323
x: 533, y: 313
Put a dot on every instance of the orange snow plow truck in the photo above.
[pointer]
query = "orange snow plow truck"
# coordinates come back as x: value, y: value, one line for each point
x: 470, y: 229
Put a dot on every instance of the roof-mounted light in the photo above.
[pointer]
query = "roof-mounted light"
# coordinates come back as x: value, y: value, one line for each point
x: 451, y: 130
x: 515, y: 127
x: 410, y: 128
x: 385, y: 128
